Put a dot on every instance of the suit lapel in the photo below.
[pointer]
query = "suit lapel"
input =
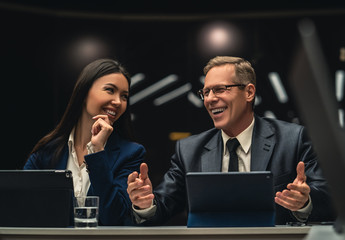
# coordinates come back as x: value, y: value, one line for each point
x: 262, y: 145
x: 211, y: 158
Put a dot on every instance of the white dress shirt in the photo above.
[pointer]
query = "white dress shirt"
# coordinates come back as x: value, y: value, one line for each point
x: 243, y: 151
x: 81, y: 180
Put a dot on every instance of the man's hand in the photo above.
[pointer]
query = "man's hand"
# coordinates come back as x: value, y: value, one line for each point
x: 296, y: 195
x: 140, y: 188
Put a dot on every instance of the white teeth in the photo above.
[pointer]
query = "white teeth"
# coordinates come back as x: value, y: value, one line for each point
x: 111, y: 112
x: 218, y: 110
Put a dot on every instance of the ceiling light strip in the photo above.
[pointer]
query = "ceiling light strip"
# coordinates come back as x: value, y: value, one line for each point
x: 167, y: 81
x: 172, y: 95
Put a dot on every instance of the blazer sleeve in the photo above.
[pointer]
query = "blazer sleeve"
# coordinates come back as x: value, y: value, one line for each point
x: 42, y: 159
x: 108, y: 172
x: 31, y: 162
x: 170, y: 194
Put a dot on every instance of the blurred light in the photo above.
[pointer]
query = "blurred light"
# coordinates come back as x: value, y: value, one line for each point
x: 136, y: 79
x: 341, y: 117
x: 87, y: 49
x: 339, y: 84
x: 270, y: 114
x: 165, y: 82
x: 133, y: 117
x: 195, y: 100
x: 278, y: 87
x: 202, y: 80
x: 172, y: 95
x: 174, y: 136
x: 342, y: 54
x: 220, y: 38
x: 257, y: 100
x: 306, y: 28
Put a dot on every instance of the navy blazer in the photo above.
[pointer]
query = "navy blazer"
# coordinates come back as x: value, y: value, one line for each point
x: 277, y: 146
x: 108, y: 172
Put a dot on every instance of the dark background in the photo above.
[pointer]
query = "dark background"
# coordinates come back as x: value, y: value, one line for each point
x: 45, y: 44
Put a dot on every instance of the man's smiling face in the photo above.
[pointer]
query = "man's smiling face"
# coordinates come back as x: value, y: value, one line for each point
x: 229, y: 109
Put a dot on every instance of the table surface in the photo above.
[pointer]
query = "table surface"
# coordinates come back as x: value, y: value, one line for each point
x: 177, y: 230
x: 171, y: 232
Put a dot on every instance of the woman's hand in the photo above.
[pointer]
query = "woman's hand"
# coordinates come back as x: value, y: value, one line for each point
x: 100, y: 131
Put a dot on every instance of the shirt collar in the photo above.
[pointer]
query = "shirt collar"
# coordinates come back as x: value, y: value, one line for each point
x: 71, y: 141
x: 244, y: 138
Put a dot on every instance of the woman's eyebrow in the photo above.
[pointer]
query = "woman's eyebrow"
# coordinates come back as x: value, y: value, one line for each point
x: 114, y: 86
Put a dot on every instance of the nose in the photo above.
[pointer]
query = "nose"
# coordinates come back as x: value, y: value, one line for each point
x: 116, y: 100
x: 210, y: 100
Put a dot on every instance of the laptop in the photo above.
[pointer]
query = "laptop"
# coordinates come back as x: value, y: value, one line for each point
x: 36, y: 198
x: 232, y: 199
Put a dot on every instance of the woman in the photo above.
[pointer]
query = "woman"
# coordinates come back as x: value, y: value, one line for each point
x: 92, y: 140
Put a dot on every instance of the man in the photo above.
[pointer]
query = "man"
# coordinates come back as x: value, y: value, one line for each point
x: 260, y: 145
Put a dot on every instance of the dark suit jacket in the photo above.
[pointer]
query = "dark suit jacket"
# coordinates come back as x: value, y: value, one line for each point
x: 108, y: 172
x: 277, y: 146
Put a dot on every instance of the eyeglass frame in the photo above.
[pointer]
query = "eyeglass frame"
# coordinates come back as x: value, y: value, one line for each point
x: 201, y: 91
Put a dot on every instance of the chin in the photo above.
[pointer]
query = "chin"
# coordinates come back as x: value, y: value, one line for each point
x: 224, y: 125
x: 219, y: 125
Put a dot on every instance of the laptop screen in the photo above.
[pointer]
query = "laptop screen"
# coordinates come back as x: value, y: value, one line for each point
x: 36, y: 198
x: 230, y: 199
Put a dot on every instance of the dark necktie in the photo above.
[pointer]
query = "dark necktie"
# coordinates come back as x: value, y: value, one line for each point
x: 232, y: 145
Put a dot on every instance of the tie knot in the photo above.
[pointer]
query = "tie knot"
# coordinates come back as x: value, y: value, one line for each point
x: 232, y: 144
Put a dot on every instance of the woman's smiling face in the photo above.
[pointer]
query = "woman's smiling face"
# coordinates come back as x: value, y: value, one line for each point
x: 108, y: 96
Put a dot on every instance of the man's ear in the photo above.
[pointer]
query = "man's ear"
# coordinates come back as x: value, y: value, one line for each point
x: 250, y: 92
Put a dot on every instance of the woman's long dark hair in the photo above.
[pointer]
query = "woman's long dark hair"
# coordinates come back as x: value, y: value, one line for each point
x: 59, y: 136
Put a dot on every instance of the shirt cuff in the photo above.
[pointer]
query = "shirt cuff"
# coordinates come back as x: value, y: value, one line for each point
x: 141, y: 215
x: 90, y: 148
x: 302, y: 214
x: 306, y: 209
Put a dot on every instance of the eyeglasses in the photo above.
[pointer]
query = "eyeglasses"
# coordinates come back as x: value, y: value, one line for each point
x: 216, y: 90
